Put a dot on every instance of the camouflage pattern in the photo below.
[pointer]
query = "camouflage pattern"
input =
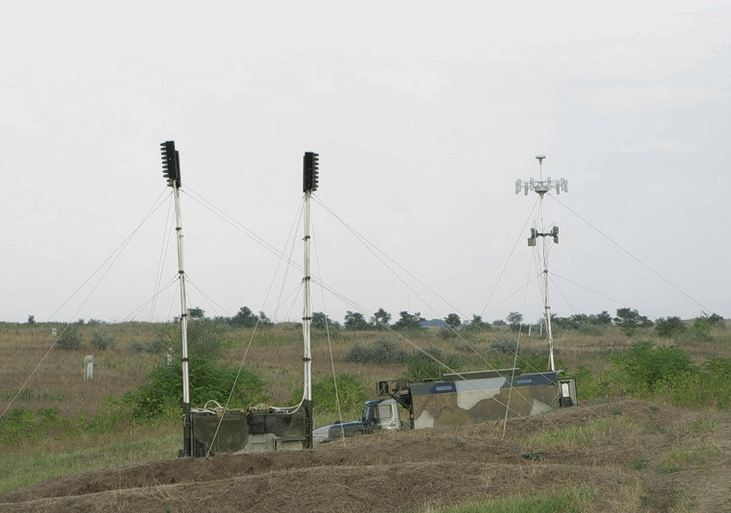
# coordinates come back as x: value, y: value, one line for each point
x: 479, y: 397
x: 249, y: 431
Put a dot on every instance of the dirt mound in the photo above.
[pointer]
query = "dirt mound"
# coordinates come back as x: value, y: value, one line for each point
x: 409, y: 471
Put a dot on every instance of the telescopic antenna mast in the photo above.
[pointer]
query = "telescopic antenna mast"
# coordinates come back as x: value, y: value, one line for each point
x: 310, y: 177
x: 171, y: 171
x: 541, y: 187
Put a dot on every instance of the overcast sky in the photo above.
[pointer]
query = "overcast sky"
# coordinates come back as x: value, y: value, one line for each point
x: 423, y: 115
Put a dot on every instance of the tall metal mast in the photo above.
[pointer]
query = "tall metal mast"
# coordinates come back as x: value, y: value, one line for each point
x: 309, y: 185
x: 542, y: 187
x: 171, y: 171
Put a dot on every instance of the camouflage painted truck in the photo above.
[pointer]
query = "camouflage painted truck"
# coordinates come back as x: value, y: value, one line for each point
x: 459, y: 399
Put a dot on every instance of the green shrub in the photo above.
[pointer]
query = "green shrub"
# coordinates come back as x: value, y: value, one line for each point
x: 593, y: 330
x: 422, y: 366
x: 206, y: 339
x: 643, y: 366
x: 18, y: 425
x: 383, y: 352
x: 102, y: 342
x: 350, y: 394
x: 590, y: 385
x: 536, y: 362
x: 700, y: 331
x: 69, y: 339
x: 504, y: 345
x: 670, y: 327
x: 157, y: 346
x: 162, y: 395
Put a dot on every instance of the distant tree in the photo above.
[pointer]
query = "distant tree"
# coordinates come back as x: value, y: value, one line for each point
x: 245, y: 318
x: 712, y: 319
x: 354, y: 321
x: 477, y: 324
x: 320, y: 321
x: 196, y: 313
x: 515, y: 319
x: 409, y: 322
x: 499, y: 322
x: 264, y: 320
x: 670, y: 327
x: 381, y: 319
x: 31, y: 319
x: 453, y: 321
x: 629, y: 320
x: 602, y: 318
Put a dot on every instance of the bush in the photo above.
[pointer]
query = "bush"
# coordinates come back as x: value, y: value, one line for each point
x: 701, y: 330
x: 103, y: 342
x: 447, y: 332
x: 162, y: 395
x: 504, y: 345
x: 422, y: 366
x: 670, y: 327
x: 591, y: 386
x: 206, y: 340
x: 157, y: 346
x: 537, y: 362
x: 593, y: 330
x: 644, y: 366
x: 69, y: 339
x: 18, y: 425
x: 383, y: 352
x: 350, y: 394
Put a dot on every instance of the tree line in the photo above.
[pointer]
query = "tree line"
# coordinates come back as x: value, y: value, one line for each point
x: 627, y: 319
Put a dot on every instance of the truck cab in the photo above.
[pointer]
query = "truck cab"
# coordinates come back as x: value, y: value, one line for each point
x: 377, y: 415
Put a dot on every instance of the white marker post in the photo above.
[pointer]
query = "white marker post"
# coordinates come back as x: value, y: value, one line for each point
x: 88, y: 367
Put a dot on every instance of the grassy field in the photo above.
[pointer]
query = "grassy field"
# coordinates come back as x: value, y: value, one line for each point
x: 89, y: 427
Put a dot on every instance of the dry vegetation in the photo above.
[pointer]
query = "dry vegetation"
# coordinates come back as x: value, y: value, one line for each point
x: 608, y: 454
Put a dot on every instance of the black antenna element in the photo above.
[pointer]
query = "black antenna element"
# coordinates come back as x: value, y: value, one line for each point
x: 311, y: 164
x: 170, y: 163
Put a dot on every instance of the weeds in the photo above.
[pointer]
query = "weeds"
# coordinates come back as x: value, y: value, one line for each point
x: 572, y: 500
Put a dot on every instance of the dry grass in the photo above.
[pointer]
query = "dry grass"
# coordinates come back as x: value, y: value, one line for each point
x: 637, y: 462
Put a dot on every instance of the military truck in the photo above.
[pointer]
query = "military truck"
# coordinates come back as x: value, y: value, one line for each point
x: 458, y: 399
x: 378, y: 415
x: 481, y: 396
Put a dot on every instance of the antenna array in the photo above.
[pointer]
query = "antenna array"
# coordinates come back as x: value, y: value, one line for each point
x: 541, y: 187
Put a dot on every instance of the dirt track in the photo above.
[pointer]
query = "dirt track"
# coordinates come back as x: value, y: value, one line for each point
x: 410, y: 471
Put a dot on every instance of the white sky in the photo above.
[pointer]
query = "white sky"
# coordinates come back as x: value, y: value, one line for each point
x: 423, y: 115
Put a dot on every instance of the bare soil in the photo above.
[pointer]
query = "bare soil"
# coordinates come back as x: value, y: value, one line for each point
x: 421, y: 470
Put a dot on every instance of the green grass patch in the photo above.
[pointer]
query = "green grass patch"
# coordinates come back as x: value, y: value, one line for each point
x: 688, y: 456
x: 30, y: 463
x: 592, y: 432
x: 572, y: 500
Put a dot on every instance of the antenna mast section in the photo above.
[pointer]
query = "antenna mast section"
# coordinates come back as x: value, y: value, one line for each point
x: 309, y: 185
x: 541, y: 187
x: 171, y: 171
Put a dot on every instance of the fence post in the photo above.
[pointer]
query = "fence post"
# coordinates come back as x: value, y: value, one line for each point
x: 89, y: 367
